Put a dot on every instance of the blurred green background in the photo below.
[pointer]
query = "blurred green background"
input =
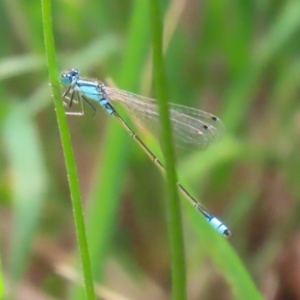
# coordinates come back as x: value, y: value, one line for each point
x: 238, y: 60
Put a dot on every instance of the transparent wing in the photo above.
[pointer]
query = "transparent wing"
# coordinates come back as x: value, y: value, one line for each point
x: 190, y: 126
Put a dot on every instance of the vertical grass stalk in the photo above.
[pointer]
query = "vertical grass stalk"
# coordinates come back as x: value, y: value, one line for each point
x: 67, y: 149
x: 173, y: 207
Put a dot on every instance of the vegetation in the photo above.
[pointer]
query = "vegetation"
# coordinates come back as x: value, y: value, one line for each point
x: 237, y: 60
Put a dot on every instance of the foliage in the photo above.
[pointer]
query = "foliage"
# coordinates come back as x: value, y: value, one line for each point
x: 237, y: 60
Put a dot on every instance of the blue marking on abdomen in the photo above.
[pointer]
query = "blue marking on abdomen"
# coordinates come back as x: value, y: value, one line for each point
x: 218, y: 225
x: 105, y: 103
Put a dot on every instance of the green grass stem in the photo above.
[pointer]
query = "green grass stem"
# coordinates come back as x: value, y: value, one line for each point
x: 173, y: 206
x: 67, y: 150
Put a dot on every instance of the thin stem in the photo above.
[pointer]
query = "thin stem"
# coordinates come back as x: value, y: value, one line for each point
x: 174, y: 215
x: 67, y: 150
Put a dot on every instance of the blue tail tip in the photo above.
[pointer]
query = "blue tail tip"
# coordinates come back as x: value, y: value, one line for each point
x: 227, y: 233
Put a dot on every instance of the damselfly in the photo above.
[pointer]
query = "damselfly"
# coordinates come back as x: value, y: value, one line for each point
x: 189, y: 125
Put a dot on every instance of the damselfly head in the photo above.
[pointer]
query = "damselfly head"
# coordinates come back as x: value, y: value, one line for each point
x: 69, y: 76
